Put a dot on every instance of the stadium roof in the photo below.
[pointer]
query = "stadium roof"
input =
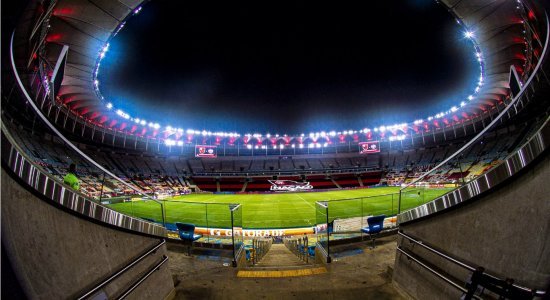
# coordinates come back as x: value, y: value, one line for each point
x: 87, y: 26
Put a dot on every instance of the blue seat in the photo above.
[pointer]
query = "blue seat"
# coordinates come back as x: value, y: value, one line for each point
x: 375, y: 226
x: 187, y: 232
x: 311, y: 251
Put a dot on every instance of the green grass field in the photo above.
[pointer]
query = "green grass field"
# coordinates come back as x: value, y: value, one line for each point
x: 280, y: 210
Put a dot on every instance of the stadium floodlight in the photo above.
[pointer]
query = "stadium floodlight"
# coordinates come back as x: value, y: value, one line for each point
x: 293, y: 146
x: 469, y: 34
x: 281, y: 146
x: 180, y: 143
x: 122, y: 114
x: 109, y: 105
x: 249, y: 146
x: 301, y: 146
x: 168, y: 128
x: 462, y: 104
x: 325, y: 145
x: 454, y: 108
x: 143, y: 122
x: 382, y: 128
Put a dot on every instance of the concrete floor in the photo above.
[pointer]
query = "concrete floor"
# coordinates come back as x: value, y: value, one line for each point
x: 356, y: 272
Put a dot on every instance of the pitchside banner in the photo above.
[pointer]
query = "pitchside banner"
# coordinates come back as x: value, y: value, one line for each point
x: 205, y: 151
x: 369, y: 147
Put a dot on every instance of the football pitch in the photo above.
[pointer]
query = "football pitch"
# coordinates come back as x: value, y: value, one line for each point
x: 278, y: 210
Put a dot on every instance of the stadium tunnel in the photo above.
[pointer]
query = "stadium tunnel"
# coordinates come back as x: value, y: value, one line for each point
x: 486, y: 238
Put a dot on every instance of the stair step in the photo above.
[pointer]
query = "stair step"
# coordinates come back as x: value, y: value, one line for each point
x: 279, y: 255
x: 281, y: 273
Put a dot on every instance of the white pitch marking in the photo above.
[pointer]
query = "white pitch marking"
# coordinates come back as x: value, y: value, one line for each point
x: 305, y: 201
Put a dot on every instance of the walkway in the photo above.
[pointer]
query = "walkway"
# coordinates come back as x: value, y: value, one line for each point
x: 355, y: 273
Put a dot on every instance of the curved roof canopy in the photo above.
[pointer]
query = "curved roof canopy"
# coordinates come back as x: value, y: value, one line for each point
x: 86, y: 26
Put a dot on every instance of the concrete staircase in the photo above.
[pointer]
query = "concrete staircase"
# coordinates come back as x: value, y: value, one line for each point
x: 335, y: 183
x: 279, y: 256
x: 281, y: 262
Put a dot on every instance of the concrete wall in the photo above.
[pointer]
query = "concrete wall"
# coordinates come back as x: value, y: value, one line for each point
x: 506, y: 231
x: 57, y: 255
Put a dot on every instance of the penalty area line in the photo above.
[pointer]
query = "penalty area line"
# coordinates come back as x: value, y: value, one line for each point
x: 305, y: 201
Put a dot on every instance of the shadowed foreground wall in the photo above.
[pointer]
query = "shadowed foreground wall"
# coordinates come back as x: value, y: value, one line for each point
x: 57, y: 255
x: 506, y: 231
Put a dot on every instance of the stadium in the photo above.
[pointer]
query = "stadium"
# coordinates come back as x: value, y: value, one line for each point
x: 444, y: 205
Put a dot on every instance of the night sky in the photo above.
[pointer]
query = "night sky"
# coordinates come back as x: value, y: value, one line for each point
x: 288, y: 66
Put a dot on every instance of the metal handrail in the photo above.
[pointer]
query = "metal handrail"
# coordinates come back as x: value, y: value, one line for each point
x: 462, y: 264
x: 143, y: 278
x: 441, y: 276
x: 439, y: 253
x: 121, y: 271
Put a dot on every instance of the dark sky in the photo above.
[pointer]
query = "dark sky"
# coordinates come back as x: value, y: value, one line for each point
x: 288, y: 66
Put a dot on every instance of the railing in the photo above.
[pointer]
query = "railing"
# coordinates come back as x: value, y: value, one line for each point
x: 346, y: 170
x: 503, y: 287
x: 143, y: 278
x: 237, y: 238
x: 300, y: 247
x: 322, y: 230
x: 126, y: 268
x: 258, y: 249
